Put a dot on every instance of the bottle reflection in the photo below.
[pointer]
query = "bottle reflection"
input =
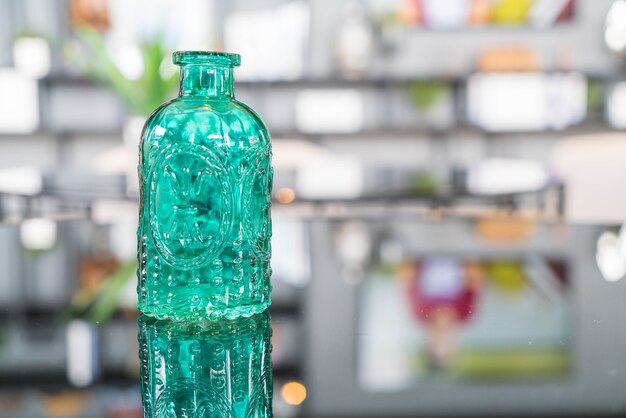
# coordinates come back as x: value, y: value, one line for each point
x: 206, y: 369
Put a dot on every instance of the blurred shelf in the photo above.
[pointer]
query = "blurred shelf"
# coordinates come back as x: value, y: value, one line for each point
x: 65, y: 133
x: 305, y: 82
x: 52, y: 316
x: 430, y: 206
x: 452, y: 202
x: 51, y: 380
x: 43, y: 380
x: 460, y: 129
x: 380, y: 81
x: 494, y: 28
x: 436, y: 199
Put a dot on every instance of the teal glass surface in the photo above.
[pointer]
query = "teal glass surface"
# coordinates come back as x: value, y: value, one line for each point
x: 206, y: 368
x: 205, y: 181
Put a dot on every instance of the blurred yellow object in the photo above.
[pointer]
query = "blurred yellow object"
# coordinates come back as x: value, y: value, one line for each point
x: 293, y: 393
x: 508, y: 59
x: 504, y: 228
x: 65, y: 404
x: 511, y: 11
x: 507, y: 276
x: 285, y: 195
x: 515, y: 362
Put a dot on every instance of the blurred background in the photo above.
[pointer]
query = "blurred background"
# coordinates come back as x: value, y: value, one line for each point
x: 448, y: 199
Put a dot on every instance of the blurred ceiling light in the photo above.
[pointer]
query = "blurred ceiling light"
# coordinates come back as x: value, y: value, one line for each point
x: 330, y: 111
x: 293, y: 393
x: 615, y: 31
x: 499, y: 176
x: 80, y: 345
x: 19, y: 102
x: 38, y: 234
x: 31, y: 56
x: 289, y: 154
x: 616, y: 105
x: 25, y: 180
x: 609, y: 257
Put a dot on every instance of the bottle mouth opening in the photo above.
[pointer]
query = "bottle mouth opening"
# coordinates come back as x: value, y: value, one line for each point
x: 206, y: 57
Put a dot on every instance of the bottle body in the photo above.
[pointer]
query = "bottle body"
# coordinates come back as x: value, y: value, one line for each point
x: 206, y: 368
x: 204, y: 225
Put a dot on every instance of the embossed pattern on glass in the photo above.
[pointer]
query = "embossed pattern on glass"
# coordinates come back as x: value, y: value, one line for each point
x: 205, y: 181
x: 206, y: 369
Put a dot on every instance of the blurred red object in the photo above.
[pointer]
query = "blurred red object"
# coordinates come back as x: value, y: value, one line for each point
x: 430, y: 293
x: 124, y: 413
x: 94, y: 13
x: 410, y: 12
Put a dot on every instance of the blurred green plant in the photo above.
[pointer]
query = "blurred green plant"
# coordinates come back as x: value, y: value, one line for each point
x: 425, y: 93
x: 142, y: 95
x: 424, y: 184
x: 595, y: 95
x: 100, y: 304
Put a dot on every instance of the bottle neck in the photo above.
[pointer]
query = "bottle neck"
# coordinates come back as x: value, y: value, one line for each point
x: 206, y: 80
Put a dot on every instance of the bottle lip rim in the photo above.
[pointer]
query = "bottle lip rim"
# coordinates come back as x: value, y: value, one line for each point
x: 206, y: 57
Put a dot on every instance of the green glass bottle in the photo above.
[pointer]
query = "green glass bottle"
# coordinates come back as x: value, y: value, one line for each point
x: 205, y: 181
x: 206, y: 369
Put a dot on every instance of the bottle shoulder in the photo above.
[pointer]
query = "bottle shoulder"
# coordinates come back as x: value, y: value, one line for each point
x: 252, y: 114
x: 200, y: 116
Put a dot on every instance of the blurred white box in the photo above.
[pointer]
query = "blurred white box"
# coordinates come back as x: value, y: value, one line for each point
x: 330, y: 111
x: 526, y: 101
x: 272, y: 41
x: 331, y: 177
x: 19, y: 102
x: 616, y: 105
x: 507, y: 102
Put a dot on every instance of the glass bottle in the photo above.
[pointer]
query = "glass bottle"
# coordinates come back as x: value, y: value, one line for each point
x: 205, y: 180
x: 206, y: 368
